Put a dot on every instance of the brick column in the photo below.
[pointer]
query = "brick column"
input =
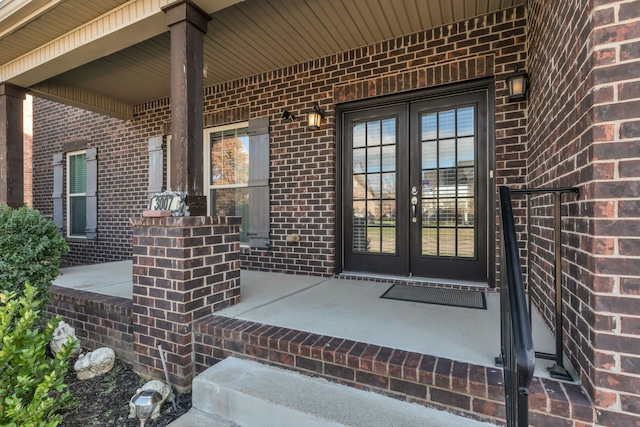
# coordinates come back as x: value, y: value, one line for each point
x: 184, y: 268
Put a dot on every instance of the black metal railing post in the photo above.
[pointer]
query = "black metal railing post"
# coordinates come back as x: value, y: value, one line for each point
x: 558, y: 370
x: 517, y: 353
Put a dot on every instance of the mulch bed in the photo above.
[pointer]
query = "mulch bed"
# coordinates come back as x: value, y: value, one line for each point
x: 104, y: 400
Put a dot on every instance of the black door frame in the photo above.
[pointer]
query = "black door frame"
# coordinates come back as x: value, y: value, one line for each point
x: 482, y: 85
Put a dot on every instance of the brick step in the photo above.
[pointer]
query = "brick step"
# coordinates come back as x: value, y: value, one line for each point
x: 465, y: 389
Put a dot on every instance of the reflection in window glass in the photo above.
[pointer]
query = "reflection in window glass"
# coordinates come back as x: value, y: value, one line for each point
x: 429, y: 127
x: 232, y: 202
x: 359, y: 160
x: 388, y: 158
x: 388, y: 131
x: 430, y: 155
x: 466, y: 155
x: 229, y: 191
x: 359, y: 135
x: 448, y: 182
x: 447, y: 124
x: 230, y: 157
x: 389, y: 185
x: 466, y: 125
x: 374, y: 186
x: 373, y: 159
x: 447, y: 153
x: 373, y: 133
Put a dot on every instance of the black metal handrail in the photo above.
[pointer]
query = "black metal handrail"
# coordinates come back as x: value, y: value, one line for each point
x: 558, y: 370
x: 518, y: 355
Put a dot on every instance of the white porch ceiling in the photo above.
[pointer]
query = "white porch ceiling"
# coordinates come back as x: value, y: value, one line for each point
x: 246, y: 38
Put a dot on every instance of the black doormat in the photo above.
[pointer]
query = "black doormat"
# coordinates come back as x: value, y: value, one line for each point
x: 439, y: 296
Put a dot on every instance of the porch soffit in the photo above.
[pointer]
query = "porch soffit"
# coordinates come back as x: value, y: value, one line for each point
x: 113, y: 55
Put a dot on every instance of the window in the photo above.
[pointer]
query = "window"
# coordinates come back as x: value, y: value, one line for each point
x: 227, y: 152
x: 76, y: 194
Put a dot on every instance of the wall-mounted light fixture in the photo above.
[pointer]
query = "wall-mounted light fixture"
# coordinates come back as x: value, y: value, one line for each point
x: 287, y: 116
x: 517, y: 84
x: 315, y: 116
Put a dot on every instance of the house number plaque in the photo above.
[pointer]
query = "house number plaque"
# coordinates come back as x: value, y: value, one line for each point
x: 173, y: 201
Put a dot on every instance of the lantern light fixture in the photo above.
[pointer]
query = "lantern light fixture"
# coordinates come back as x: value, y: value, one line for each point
x: 517, y: 85
x: 314, y: 117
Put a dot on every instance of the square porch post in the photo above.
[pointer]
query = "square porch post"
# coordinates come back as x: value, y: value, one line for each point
x: 11, y: 145
x: 188, y: 24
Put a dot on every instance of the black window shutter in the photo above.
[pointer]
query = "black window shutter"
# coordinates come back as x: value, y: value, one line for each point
x: 259, y: 183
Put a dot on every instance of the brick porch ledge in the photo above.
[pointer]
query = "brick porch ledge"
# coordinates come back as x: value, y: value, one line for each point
x: 463, y: 388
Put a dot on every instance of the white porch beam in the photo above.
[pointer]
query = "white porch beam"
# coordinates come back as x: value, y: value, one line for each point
x: 82, y: 98
x: 122, y: 27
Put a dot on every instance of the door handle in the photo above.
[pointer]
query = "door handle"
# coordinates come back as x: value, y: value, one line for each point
x: 414, y: 204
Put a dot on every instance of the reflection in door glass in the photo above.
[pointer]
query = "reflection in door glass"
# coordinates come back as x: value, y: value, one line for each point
x: 374, y: 186
x: 448, y: 182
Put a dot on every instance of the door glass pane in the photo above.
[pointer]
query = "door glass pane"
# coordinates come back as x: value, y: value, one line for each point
x: 430, y: 241
x: 429, y: 127
x: 373, y: 133
x: 359, y: 186
x: 388, y: 158
x: 373, y: 159
x: 447, y: 124
x: 447, y: 241
x: 447, y: 153
x: 374, y: 186
x: 389, y: 186
x: 430, y: 155
x: 466, y: 242
x: 466, y: 121
x: 389, y: 132
x: 359, y: 135
x: 448, y: 182
x: 359, y: 160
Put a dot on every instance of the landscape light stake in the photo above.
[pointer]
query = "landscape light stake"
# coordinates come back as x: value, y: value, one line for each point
x: 166, y: 375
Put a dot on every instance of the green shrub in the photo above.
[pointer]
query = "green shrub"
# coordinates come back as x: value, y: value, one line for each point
x: 32, y: 386
x: 31, y: 248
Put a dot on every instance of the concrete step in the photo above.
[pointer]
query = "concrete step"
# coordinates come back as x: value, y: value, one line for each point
x: 249, y: 394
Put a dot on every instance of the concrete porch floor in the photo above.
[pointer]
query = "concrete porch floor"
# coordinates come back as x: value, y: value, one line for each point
x: 350, y: 309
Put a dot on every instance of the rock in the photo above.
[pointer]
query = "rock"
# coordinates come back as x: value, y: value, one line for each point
x: 158, y: 386
x: 94, y: 363
x: 60, y: 337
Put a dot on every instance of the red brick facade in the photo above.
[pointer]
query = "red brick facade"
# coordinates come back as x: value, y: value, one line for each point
x: 579, y: 127
x: 184, y: 268
x: 583, y: 131
x: 303, y: 163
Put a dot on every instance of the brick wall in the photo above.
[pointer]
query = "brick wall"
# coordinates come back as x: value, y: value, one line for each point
x: 583, y: 131
x: 99, y: 320
x: 303, y: 163
x: 122, y: 172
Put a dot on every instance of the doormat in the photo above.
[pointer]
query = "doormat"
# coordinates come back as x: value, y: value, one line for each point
x: 439, y: 296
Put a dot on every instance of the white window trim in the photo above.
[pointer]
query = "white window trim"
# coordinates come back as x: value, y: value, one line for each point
x: 206, y: 154
x: 69, y: 195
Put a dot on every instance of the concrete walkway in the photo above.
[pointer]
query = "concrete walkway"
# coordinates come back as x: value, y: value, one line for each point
x: 343, y: 308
